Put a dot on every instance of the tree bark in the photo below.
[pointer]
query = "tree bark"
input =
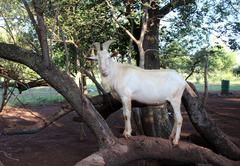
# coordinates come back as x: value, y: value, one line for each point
x: 4, y: 95
x: 109, y: 104
x: 42, y: 35
x: 140, y: 147
x: 207, y: 128
x: 156, y: 121
x: 151, y: 39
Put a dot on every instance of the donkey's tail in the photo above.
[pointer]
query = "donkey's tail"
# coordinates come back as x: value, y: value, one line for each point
x: 190, y: 90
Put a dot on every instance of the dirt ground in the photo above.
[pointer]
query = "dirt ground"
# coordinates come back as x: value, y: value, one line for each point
x: 58, y: 144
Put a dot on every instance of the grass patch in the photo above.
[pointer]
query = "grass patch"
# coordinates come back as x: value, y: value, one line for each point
x: 35, y: 96
x: 91, y: 85
x: 213, y: 87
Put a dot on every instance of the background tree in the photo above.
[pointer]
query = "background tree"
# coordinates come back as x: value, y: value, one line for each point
x: 111, y: 147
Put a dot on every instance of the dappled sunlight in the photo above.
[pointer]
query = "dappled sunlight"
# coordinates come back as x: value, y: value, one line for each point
x: 21, y: 113
x: 58, y: 124
x: 233, y: 99
x: 185, y: 134
x: 29, y: 115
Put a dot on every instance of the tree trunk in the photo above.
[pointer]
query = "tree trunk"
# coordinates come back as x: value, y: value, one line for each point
x: 154, y: 120
x: 150, y: 43
x: 4, y: 95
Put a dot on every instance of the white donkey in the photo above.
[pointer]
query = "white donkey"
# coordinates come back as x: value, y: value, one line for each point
x: 151, y: 87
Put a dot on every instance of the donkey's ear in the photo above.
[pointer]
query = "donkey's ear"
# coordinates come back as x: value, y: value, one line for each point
x: 95, y: 58
x: 114, y: 54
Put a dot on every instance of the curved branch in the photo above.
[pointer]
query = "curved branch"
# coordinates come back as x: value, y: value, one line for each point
x: 31, y: 17
x: 192, y: 69
x: 44, y: 7
x: 9, y: 31
x: 115, y: 18
x: 207, y: 128
x: 66, y: 86
x: 141, y: 147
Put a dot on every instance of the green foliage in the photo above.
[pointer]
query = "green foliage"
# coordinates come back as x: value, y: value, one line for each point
x: 191, y: 25
x: 221, y: 59
x: 182, y: 40
x: 18, y: 22
x: 83, y: 22
x: 236, y: 70
x: 16, y: 71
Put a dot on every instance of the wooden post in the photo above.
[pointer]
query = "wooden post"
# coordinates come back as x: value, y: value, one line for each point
x: 80, y: 131
x: 80, y: 126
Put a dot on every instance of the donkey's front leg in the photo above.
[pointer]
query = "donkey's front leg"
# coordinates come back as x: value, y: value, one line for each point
x: 126, y: 102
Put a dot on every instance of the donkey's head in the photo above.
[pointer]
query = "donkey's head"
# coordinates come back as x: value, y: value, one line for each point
x: 103, y: 56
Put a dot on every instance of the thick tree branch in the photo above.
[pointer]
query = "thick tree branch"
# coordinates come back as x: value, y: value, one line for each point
x: 35, y: 83
x: 66, y: 86
x: 141, y: 147
x: 42, y: 34
x: 144, y: 22
x: 44, y: 6
x: 207, y: 128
